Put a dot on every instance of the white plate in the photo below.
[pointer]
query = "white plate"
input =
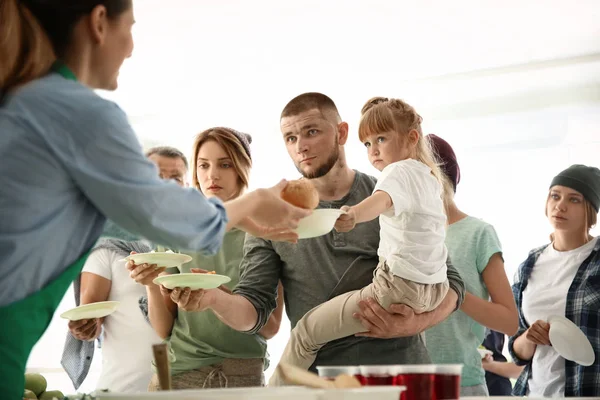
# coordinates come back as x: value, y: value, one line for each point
x: 248, y: 393
x: 193, y: 281
x: 167, y: 260
x: 264, y: 393
x: 92, y: 310
x: 484, y: 352
x: 569, y: 341
x: 319, y: 223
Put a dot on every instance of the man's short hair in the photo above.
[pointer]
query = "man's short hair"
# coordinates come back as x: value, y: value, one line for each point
x: 309, y: 101
x: 167, y: 151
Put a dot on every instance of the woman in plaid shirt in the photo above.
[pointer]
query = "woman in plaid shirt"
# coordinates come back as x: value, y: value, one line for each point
x: 562, y: 278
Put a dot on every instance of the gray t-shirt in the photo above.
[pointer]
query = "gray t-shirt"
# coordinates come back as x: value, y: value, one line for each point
x: 318, y: 269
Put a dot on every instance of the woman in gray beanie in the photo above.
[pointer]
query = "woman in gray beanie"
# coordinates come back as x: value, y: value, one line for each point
x: 557, y: 281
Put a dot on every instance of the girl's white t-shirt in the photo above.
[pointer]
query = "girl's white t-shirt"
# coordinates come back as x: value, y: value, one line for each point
x: 413, y: 232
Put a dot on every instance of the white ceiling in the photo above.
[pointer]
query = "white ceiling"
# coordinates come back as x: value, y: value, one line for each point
x: 199, y: 63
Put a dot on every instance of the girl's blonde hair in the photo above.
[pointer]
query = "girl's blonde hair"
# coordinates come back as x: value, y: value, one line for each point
x: 228, y: 140
x: 589, y: 212
x: 381, y: 114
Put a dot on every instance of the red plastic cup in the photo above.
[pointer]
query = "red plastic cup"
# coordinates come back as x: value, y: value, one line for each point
x: 331, y: 372
x: 446, y: 382
x: 377, y: 375
x: 418, y: 380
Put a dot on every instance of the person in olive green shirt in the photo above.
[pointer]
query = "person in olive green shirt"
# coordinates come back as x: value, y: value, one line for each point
x: 204, y: 352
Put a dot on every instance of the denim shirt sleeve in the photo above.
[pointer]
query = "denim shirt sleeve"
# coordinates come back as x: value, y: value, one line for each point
x: 112, y: 172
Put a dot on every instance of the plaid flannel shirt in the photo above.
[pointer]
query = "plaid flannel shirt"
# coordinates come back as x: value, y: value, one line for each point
x: 583, y: 308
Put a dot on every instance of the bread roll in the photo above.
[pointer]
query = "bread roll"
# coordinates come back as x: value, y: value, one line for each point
x: 301, y: 193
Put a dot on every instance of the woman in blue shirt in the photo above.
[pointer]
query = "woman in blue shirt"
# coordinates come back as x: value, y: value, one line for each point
x: 70, y: 159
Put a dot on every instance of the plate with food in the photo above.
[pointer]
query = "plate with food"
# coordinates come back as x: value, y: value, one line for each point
x: 167, y: 259
x: 194, y: 281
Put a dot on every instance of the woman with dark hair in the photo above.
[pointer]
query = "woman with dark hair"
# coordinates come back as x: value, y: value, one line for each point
x: 561, y: 279
x: 70, y: 160
x: 474, y: 247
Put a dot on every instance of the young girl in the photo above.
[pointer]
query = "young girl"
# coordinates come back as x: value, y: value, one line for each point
x: 408, y: 198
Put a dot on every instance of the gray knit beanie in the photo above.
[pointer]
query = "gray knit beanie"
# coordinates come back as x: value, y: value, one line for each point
x: 584, y: 179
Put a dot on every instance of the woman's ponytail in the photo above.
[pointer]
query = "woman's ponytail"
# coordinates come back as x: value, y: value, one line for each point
x: 25, y: 50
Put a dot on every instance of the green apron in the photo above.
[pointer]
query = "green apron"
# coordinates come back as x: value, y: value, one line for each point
x: 23, y: 324
x: 25, y: 321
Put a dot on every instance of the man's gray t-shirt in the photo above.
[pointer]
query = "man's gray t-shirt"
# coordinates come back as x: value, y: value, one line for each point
x: 318, y: 269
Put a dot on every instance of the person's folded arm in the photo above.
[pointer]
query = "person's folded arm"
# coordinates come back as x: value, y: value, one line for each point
x: 456, y: 283
x: 254, y: 298
x: 520, y: 350
x: 499, y: 313
x: 503, y: 368
x: 272, y: 327
x: 161, y: 311
x: 93, y: 288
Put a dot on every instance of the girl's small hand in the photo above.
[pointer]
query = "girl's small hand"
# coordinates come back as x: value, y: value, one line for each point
x: 347, y: 221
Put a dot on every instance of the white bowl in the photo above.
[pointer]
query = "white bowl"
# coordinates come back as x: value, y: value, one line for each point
x: 319, y: 223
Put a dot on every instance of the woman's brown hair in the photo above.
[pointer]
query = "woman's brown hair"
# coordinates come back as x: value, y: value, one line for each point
x: 231, y: 144
x: 34, y: 33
